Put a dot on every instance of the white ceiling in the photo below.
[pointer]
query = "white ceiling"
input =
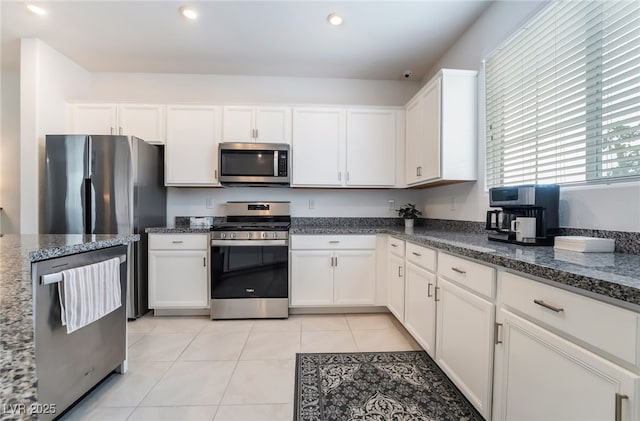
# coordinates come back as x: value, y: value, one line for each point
x: 378, y: 40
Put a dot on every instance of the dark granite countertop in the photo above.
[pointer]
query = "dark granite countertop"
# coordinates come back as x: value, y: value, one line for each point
x: 611, y: 277
x: 178, y: 230
x: 17, y: 252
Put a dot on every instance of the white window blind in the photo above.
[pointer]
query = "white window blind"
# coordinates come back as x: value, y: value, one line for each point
x: 563, y: 97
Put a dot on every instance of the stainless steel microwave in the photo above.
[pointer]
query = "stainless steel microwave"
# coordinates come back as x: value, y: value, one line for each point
x: 254, y: 164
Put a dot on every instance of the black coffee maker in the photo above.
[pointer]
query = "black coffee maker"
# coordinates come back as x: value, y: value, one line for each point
x: 528, y: 214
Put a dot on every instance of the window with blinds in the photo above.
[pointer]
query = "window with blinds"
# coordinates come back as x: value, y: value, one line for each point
x: 563, y: 97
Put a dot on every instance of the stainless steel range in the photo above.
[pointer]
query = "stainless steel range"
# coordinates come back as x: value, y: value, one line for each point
x: 250, y: 261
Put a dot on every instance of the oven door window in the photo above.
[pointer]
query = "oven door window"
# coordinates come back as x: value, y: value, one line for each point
x: 249, y: 271
x: 247, y: 163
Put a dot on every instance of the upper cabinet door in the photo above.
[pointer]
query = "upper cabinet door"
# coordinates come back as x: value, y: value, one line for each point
x: 193, y: 134
x: 93, y: 119
x: 431, y: 132
x: 145, y: 121
x: 238, y: 124
x: 256, y: 124
x: 371, y: 147
x: 318, y: 146
x: 414, y: 144
x: 273, y: 124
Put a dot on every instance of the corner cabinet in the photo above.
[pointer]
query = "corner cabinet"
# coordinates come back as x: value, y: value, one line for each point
x: 193, y: 135
x: 333, y: 270
x: 178, y: 271
x: 441, y: 140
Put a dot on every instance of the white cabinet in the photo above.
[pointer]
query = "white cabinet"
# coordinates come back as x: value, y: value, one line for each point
x: 420, y: 307
x: 318, y: 143
x: 541, y: 376
x: 395, y: 277
x: 333, y: 270
x: 335, y: 147
x: 441, y: 130
x: 95, y: 118
x: 371, y: 147
x: 193, y: 135
x: 465, y: 322
x: 178, y: 271
x: 420, y: 298
x: 146, y: 121
x: 256, y: 124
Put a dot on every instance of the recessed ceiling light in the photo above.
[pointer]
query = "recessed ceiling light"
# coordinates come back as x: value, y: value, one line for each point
x: 189, y: 12
x: 36, y: 9
x: 335, y: 19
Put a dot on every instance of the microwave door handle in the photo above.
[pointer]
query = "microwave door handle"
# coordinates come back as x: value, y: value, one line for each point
x: 275, y: 163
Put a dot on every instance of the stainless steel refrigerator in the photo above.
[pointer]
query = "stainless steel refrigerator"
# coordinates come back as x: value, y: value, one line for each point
x: 98, y: 184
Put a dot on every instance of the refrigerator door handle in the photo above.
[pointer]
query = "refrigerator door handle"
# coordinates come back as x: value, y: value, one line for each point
x: 88, y: 206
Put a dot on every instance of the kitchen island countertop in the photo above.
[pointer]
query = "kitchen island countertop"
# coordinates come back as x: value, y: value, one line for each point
x: 17, y: 357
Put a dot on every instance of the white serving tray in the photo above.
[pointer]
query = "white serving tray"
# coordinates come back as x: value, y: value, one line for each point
x: 585, y: 244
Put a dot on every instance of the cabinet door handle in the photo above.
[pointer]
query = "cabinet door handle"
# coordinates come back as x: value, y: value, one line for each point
x: 347, y: 175
x: 460, y: 271
x: 215, y: 174
x: 257, y: 133
x: 435, y: 298
x: 429, y: 293
x: 619, y: 398
x: 549, y: 306
x: 177, y: 241
x: 419, y: 171
x: 336, y: 260
x: 339, y: 175
x: 120, y: 130
x: 416, y: 254
x: 394, y: 245
x: 110, y: 130
x: 333, y: 262
x: 399, y: 271
x: 204, y: 261
x: 496, y: 332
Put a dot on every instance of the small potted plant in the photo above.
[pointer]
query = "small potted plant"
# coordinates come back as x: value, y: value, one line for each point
x: 409, y: 213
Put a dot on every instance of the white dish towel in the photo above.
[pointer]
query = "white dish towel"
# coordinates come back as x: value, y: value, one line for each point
x: 88, y: 293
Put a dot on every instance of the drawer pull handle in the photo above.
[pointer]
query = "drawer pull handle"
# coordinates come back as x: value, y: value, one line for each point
x: 334, y: 242
x: 429, y: 293
x: 416, y: 254
x: 460, y: 271
x: 177, y: 242
x: 619, y: 398
x: 394, y: 245
x: 549, y: 306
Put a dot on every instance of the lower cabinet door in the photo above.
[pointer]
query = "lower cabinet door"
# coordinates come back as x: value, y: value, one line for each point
x: 395, y: 292
x: 464, y: 342
x: 178, y: 279
x: 420, y: 307
x: 354, y: 277
x: 311, y: 278
x: 541, y: 376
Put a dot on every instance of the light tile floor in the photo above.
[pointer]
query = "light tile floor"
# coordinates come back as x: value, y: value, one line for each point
x: 192, y: 368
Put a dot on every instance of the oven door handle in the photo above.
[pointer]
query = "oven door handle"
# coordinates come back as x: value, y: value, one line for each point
x: 249, y: 243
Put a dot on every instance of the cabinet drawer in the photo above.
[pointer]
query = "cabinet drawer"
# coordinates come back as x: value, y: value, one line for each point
x: 421, y: 256
x: 178, y: 241
x: 604, y: 326
x: 332, y: 242
x: 396, y: 246
x: 479, y: 278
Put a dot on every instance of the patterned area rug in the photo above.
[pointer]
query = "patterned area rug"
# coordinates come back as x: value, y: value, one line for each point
x: 376, y: 386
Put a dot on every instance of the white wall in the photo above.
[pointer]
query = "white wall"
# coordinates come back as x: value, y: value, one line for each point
x: 607, y: 207
x: 325, y: 202
x: 10, y: 152
x: 165, y: 88
x: 47, y: 78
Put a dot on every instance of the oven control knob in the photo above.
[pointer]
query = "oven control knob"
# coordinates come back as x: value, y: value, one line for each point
x: 223, y: 235
x: 275, y: 235
x: 233, y: 235
x: 249, y: 235
x: 264, y: 235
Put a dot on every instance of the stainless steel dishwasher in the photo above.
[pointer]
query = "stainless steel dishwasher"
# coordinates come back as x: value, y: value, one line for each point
x: 69, y: 365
